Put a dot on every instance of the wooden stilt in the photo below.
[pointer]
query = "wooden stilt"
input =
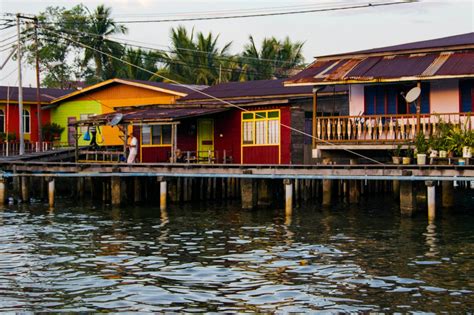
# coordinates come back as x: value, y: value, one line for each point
x: 116, y: 191
x: 51, y: 192
x: 163, y: 194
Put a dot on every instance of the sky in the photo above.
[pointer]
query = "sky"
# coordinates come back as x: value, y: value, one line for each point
x: 323, y: 33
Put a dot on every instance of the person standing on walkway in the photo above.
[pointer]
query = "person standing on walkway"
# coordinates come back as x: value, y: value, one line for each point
x: 132, y: 153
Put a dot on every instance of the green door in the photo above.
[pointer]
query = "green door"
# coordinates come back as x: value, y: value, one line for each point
x: 205, y: 138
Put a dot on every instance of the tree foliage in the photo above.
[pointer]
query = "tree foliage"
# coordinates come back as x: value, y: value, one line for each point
x: 193, y: 58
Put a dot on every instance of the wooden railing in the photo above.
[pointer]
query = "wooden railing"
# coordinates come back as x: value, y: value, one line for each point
x: 12, y: 148
x: 380, y: 129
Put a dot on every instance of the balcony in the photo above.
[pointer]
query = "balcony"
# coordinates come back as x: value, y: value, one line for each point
x: 383, y: 130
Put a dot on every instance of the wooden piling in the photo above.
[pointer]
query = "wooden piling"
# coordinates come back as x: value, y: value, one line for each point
x: 431, y: 198
x: 288, y: 196
x: 407, y: 196
x: 163, y: 194
x: 51, y: 191
x: 80, y: 188
x: 447, y: 194
x: 116, y: 190
x: 2, y: 191
x: 25, y: 189
x: 264, y: 193
x: 248, y: 193
x: 327, y: 192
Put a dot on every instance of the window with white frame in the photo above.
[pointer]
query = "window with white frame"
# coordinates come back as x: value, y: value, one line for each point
x: 261, y: 128
x: 156, y: 135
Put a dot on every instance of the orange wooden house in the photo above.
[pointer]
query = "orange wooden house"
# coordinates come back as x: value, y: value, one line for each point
x: 106, y: 97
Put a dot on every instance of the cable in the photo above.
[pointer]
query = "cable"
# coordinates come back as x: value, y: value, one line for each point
x: 237, y: 16
x: 217, y: 99
x: 5, y: 77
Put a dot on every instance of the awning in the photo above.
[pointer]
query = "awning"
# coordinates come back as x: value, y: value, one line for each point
x: 151, y: 115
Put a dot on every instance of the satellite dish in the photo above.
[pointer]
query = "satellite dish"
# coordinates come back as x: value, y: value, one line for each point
x: 413, y: 94
x: 116, y: 119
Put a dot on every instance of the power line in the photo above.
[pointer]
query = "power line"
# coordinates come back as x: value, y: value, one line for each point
x: 212, y: 97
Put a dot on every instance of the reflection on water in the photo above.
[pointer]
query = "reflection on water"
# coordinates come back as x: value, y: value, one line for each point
x: 219, y: 258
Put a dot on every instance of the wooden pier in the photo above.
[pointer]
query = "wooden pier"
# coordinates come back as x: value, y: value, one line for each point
x: 253, y: 185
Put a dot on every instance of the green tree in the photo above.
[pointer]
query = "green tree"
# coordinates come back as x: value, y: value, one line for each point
x: 101, y: 24
x: 197, y: 59
x: 60, y: 59
x: 150, y: 61
x: 274, y: 58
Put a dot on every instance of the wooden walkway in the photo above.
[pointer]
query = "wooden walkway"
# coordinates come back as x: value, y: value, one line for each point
x: 355, y: 172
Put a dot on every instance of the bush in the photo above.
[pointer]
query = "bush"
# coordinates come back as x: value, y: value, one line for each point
x: 11, y: 136
x: 51, y: 131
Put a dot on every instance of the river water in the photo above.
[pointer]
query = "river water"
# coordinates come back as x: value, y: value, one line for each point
x: 218, y: 258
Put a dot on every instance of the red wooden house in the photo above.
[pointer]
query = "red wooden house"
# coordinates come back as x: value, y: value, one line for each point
x: 9, y: 115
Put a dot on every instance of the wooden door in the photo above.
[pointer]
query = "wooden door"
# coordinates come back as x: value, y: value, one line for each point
x: 205, y: 138
x: 71, y: 131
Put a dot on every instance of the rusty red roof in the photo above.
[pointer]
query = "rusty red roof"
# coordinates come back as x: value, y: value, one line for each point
x: 390, y: 68
x: 255, y: 89
x: 154, y: 114
x: 29, y: 94
x: 450, y: 41
x: 447, y: 57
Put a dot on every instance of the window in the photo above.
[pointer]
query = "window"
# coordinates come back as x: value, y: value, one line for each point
x: 26, y: 121
x: 156, y: 134
x: 261, y: 128
x: 388, y: 99
x: 2, y: 120
x: 466, y: 96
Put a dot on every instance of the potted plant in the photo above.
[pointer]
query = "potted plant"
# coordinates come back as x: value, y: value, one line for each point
x: 406, y: 160
x: 52, y: 131
x: 468, y: 144
x: 422, y: 147
x: 396, y: 154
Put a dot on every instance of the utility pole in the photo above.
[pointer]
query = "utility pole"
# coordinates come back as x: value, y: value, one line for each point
x: 38, y: 100
x: 20, y: 90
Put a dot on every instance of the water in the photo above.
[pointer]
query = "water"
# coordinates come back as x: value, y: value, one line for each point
x: 218, y: 258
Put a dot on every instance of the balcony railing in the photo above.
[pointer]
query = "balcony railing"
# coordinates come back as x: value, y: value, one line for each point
x: 383, y: 129
x: 12, y: 148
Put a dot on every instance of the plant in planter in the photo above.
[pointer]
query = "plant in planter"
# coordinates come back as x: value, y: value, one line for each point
x: 408, y: 155
x: 10, y: 136
x: 468, y: 143
x: 422, y: 146
x: 396, y: 154
x: 455, y: 140
x: 51, y: 131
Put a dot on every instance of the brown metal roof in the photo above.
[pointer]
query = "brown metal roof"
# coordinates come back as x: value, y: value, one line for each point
x: 390, y: 68
x: 153, y: 115
x: 29, y: 94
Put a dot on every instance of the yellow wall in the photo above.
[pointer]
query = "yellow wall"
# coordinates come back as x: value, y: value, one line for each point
x: 119, y: 95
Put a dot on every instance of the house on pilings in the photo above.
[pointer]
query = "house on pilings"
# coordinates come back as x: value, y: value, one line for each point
x: 253, y: 122
x: 379, y: 116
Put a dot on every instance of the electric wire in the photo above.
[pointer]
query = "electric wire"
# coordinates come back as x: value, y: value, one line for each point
x: 216, y: 98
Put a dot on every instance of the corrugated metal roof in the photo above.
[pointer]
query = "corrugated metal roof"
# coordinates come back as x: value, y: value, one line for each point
x: 456, y: 40
x: 389, y: 68
x: 155, y: 114
x: 254, y: 89
x: 29, y: 94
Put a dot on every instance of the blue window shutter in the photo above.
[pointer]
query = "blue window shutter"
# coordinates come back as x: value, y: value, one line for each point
x: 392, y: 95
x: 380, y: 100
x: 465, y: 89
x: 369, y: 92
x: 425, y: 97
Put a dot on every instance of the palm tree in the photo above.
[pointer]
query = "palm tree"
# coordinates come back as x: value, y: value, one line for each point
x: 102, y: 25
x: 197, y: 59
x: 143, y: 59
x: 274, y: 59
